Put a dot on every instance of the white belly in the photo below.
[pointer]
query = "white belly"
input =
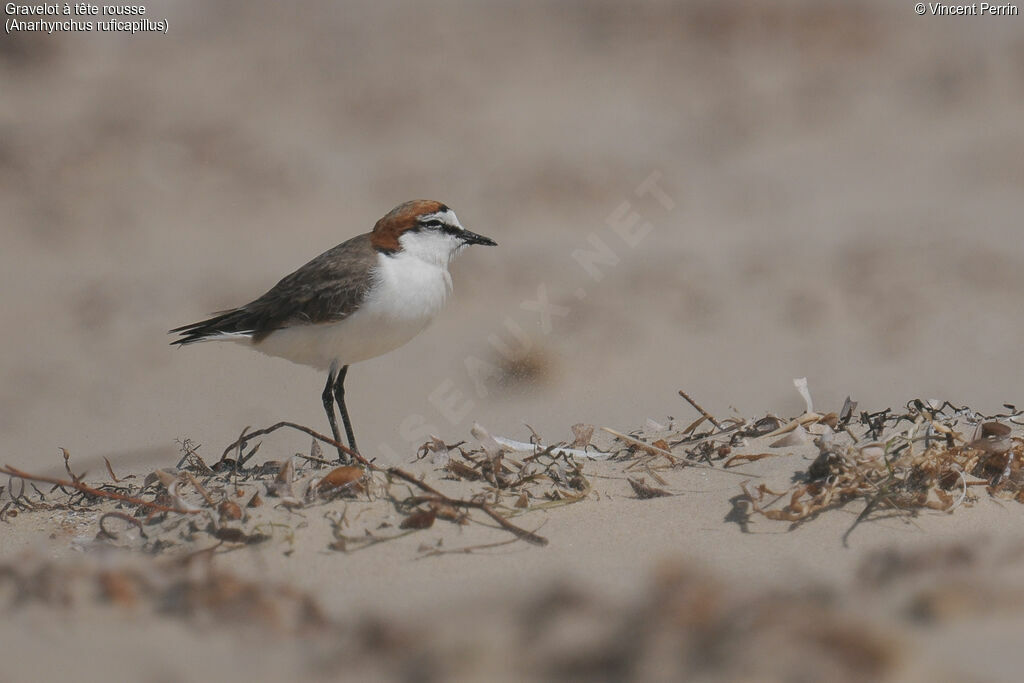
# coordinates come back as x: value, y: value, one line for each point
x: 408, y: 294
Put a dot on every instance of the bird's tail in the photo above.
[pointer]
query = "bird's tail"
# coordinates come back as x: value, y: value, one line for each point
x: 222, y: 325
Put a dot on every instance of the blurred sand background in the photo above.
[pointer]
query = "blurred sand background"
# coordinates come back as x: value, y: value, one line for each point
x: 845, y: 179
x: 847, y: 187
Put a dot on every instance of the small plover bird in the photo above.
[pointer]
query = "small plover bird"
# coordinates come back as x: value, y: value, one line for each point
x: 361, y: 299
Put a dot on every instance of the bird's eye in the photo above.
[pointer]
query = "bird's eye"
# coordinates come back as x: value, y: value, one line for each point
x: 432, y: 224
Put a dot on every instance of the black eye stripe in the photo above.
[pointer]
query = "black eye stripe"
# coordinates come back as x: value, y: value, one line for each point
x: 435, y: 224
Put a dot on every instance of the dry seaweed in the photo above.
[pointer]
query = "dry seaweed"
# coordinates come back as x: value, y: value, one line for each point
x: 224, y: 503
x: 680, y: 623
x: 189, y: 588
x: 930, y: 457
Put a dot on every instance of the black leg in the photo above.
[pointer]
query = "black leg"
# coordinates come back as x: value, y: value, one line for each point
x: 339, y: 397
x: 328, y: 397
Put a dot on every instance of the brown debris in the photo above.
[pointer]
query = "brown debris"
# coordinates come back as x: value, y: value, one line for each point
x: 645, y: 491
x: 994, y: 438
x: 281, y: 487
x: 463, y: 471
x: 229, y: 511
x: 421, y: 519
x: 345, y: 477
x: 747, y: 457
x: 118, y: 587
x: 581, y: 435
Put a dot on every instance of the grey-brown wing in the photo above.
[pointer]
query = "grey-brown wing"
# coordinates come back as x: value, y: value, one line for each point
x: 327, y: 289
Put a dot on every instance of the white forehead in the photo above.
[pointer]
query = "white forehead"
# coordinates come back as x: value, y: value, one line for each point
x: 447, y: 217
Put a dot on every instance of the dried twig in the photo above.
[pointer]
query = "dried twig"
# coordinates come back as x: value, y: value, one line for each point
x: 246, y: 436
x: 654, y: 450
x: 466, y: 550
x: 123, y: 517
x: 110, y: 471
x: 67, y: 466
x: 527, y: 536
x: 700, y: 410
x: 200, y: 488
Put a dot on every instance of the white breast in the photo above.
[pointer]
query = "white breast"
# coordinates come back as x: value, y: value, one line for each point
x: 408, y: 293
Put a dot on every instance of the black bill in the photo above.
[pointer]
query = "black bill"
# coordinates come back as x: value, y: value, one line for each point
x: 473, y: 238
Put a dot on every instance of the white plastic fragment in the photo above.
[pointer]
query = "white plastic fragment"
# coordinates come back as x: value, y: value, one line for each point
x: 438, y: 451
x: 801, y: 385
x: 490, y: 445
x: 796, y: 437
x: 522, y: 447
x: 652, y: 426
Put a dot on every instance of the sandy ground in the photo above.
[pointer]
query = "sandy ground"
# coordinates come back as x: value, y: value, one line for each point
x: 693, y: 583
x: 842, y: 201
